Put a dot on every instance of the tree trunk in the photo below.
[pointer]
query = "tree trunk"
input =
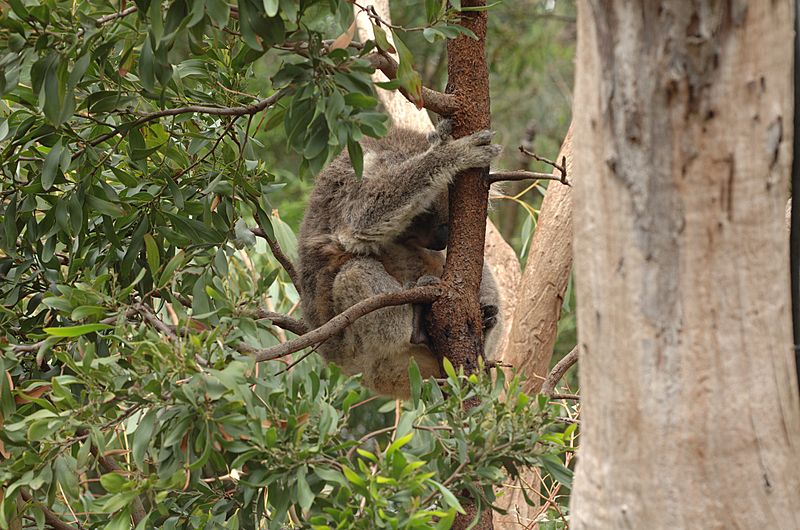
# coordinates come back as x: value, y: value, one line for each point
x: 683, y: 127
x: 535, y: 326
x: 530, y: 346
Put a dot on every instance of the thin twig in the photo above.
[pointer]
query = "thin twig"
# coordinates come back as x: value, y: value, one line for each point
x: 282, y: 258
x: 422, y: 294
x: 558, y: 372
x: 156, y: 322
x: 295, y: 325
x: 255, y: 108
x: 105, y: 19
x: 562, y: 167
x: 500, y: 176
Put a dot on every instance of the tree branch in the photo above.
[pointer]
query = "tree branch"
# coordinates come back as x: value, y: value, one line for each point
x: 105, y: 19
x: 558, y: 372
x: 256, y: 107
x: 441, y: 104
x: 500, y: 176
x: 50, y: 517
x: 138, y: 513
x: 296, y: 326
x: 423, y: 294
x: 282, y: 258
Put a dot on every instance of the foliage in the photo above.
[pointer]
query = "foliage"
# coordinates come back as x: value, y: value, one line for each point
x: 139, y: 145
x: 229, y: 445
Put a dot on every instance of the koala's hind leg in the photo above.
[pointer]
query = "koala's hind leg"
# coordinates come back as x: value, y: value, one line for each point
x: 378, y: 344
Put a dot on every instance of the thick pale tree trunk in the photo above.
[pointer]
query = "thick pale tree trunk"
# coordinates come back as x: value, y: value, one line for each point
x: 683, y: 128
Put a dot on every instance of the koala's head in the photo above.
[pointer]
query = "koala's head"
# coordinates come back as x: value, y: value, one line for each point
x: 430, y: 228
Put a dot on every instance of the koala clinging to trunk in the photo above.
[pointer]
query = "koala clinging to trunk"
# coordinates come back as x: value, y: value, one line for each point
x: 381, y: 233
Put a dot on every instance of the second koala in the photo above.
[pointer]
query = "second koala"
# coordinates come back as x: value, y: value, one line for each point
x: 382, y: 233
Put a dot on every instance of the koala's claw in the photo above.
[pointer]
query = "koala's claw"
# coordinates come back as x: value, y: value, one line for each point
x: 481, y: 137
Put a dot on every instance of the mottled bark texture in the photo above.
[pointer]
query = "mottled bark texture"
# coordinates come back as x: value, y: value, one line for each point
x: 455, y: 323
x: 683, y: 127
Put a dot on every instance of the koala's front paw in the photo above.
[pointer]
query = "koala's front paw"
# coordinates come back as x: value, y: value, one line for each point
x: 443, y: 132
x: 476, y: 150
x: 428, y: 280
x: 489, y: 314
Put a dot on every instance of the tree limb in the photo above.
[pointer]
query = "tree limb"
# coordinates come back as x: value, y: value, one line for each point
x: 500, y: 176
x: 105, y: 19
x: 296, y: 326
x: 423, y: 294
x: 558, y: 371
x: 282, y: 258
x: 256, y: 107
x: 441, y: 104
x: 138, y: 513
x: 50, y: 517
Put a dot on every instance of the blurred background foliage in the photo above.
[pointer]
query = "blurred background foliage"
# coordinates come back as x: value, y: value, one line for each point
x: 140, y: 144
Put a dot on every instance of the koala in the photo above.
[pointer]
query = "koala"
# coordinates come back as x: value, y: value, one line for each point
x: 382, y: 233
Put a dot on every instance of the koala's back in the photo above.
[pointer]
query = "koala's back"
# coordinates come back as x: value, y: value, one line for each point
x: 321, y: 253
x: 323, y: 257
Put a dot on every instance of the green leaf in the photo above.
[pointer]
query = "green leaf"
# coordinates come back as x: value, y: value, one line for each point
x: 448, y: 496
x: 409, y: 79
x: 400, y: 442
x: 113, y: 482
x: 76, y: 331
x: 382, y: 40
x: 219, y: 11
x: 448, y: 369
x: 142, y: 438
x: 352, y: 476
x: 271, y: 7
x: 51, y: 165
x: 169, y: 269
x: 557, y: 470
x: 415, y: 378
x: 356, y: 157
x: 153, y: 257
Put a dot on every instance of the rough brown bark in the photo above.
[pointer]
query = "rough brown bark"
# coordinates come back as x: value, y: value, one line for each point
x: 690, y: 415
x: 454, y: 322
x: 500, y: 257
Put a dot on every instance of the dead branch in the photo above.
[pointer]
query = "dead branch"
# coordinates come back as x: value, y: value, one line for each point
x: 558, y: 371
x: 441, y: 104
x: 562, y: 167
x: 423, y: 294
x: 282, y: 258
x: 500, y: 176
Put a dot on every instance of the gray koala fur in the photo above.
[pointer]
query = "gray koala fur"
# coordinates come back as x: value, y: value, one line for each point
x: 381, y: 233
